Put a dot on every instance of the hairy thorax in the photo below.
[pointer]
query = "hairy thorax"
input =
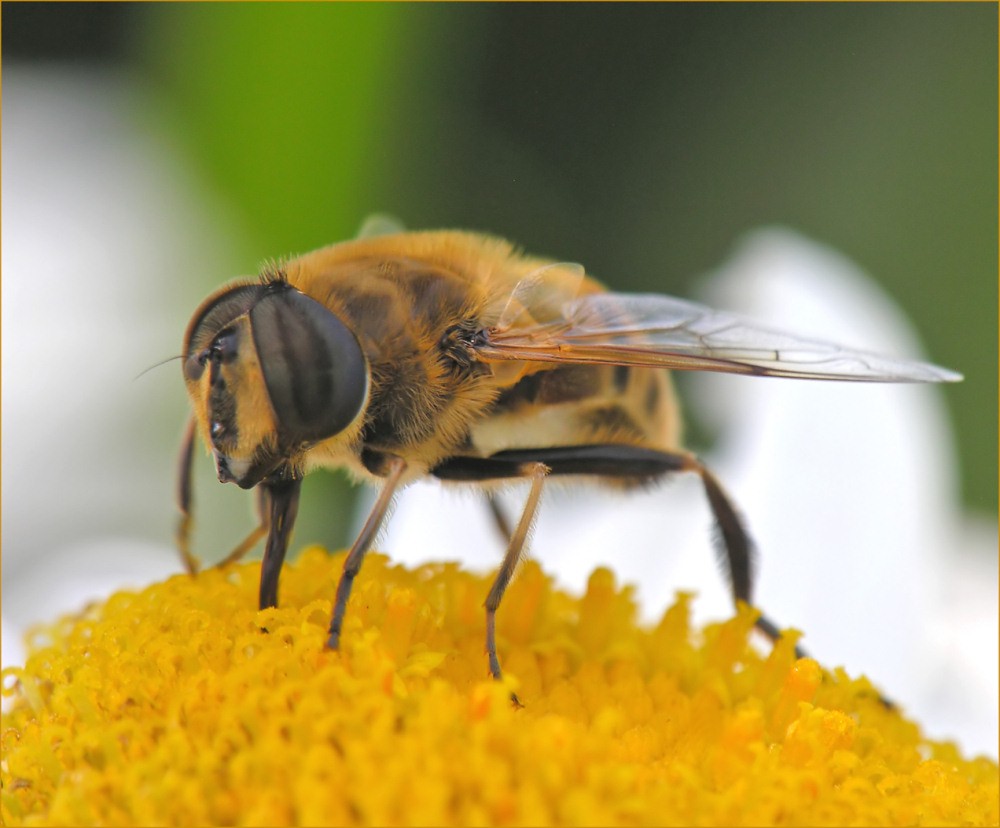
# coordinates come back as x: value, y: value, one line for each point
x: 429, y: 400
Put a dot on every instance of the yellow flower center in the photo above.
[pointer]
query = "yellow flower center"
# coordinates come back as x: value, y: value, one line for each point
x: 171, y: 706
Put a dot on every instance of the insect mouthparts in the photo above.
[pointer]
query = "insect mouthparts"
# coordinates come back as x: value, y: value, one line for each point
x: 222, y: 469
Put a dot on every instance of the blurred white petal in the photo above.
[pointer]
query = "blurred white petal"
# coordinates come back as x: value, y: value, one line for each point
x: 104, y: 242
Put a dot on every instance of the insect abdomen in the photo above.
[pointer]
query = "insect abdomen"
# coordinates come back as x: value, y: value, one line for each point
x: 582, y: 404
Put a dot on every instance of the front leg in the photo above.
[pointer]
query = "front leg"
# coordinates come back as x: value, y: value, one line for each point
x: 393, y: 469
x: 183, y: 535
x: 283, y: 498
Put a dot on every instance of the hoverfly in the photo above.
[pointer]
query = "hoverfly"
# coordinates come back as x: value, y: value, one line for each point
x: 449, y: 354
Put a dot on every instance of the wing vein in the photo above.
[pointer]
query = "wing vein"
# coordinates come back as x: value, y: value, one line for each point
x: 661, y: 331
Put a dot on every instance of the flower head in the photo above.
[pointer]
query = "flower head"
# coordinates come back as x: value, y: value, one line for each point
x: 172, y: 706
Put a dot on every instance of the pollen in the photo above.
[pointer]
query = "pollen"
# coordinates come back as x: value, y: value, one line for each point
x: 183, y: 705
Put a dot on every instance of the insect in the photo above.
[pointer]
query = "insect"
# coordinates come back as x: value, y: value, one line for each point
x: 447, y: 354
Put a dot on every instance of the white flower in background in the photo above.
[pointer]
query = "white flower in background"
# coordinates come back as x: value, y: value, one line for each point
x: 103, y: 234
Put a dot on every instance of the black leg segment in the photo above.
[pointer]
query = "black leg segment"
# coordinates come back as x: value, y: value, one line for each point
x: 183, y: 534
x: 284, y: 502
x: 621, y: 462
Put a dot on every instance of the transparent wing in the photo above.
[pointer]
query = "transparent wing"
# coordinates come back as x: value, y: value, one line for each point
x: 542, y: 293
x: 380, y: 224
x: 661, y: 331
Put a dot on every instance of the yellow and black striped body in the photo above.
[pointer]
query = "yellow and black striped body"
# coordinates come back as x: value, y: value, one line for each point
x: 413, y: 301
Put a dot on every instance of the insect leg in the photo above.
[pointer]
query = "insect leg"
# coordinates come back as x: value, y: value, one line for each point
x: 734, y: 546
x: 732, y: 542
x: 738, y: 550
x: 183, y: 533
x: 499, y: 518
x: 618, y: 461
x: 250, y: 541
x: 537, y: 472
x: 352, y: 564
x: 283, y: 498
x: 633, y: 463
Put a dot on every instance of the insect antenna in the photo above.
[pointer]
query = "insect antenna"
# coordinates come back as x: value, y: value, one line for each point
x: 156, y: 365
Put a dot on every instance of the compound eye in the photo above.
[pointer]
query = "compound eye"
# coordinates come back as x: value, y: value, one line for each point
x: 214, y: 316
x: 315, y: 372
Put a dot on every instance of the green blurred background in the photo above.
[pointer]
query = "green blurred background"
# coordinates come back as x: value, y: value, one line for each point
x: 641, y: 140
